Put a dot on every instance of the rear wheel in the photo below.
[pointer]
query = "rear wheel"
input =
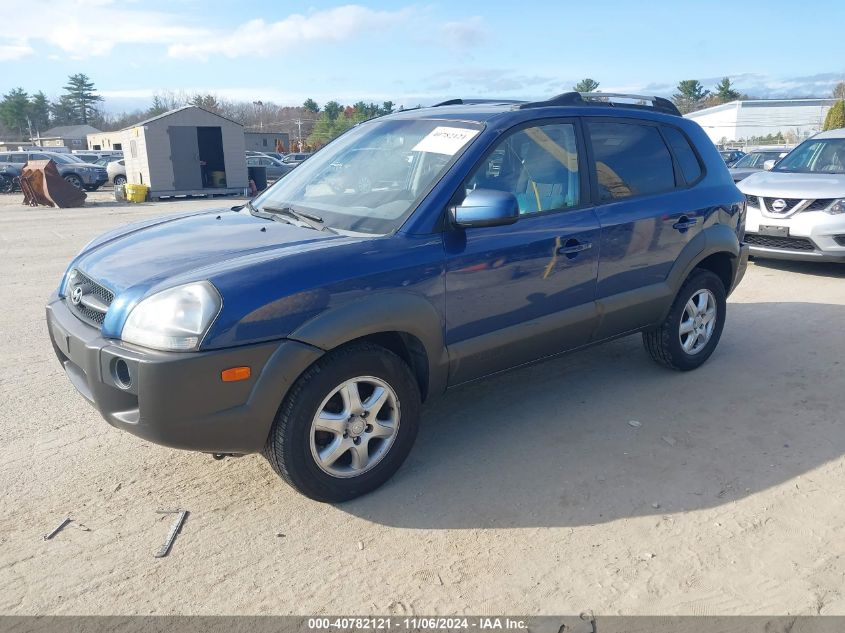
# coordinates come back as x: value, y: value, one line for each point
x: 347, y: 424
x: 119, y: 180
x: 693, y: 327
x: 75, y: 180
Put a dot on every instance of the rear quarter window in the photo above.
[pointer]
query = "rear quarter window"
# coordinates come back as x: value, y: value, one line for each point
x: 631, y: 159
x: 684, y: 154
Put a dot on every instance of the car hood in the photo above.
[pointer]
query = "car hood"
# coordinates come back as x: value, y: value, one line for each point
x: 743, y: 172
x: 145, y: 255
x: 783, y: 184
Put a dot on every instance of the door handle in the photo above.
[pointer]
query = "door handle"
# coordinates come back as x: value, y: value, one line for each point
x: 684, y: 223
x: 573, y: 247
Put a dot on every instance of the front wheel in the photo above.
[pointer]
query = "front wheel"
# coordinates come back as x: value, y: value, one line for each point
x: 347, y: 424
x: 693, y: 327
x: 75, y: 180
x: 119, y: 180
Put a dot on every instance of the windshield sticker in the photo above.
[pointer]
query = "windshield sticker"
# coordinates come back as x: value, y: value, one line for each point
x: 445, y: 140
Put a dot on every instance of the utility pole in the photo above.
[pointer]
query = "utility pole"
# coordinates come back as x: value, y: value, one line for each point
x: 299, y: 134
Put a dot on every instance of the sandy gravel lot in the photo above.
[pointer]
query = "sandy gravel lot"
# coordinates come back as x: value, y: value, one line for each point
x: 527, y: 493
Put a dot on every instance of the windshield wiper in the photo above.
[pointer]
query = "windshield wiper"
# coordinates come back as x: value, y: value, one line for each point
x: 314, y: 221
x: 258, y: 213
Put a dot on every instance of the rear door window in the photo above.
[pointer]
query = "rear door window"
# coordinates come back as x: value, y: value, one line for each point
x: 684, y: 154
x: 630, y: 159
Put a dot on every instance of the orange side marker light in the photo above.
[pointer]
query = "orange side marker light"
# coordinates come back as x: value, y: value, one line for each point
x: 234, y: 374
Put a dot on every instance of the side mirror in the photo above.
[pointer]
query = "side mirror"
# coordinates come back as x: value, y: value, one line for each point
x: 486, y: 207
x: 767, y: 165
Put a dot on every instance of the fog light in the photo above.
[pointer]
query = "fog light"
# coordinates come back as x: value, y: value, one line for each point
x: 120, y: 373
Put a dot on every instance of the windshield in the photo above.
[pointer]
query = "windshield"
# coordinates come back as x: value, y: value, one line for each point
x: 372, y: 177
x: 62, y: 158
x: 822, y: 156
x: 756, y: 159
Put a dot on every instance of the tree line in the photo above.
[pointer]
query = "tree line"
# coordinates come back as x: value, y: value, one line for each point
x: 26, y: 115
x: 691, y: 95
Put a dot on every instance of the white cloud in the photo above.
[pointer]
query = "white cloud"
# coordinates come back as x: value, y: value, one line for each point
x: 258, y: 37
x: 465, y: 34
x: 91, y: 28
x: 9, y: 51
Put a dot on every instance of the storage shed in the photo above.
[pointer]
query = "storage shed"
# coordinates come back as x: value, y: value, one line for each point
x: 187, y: 151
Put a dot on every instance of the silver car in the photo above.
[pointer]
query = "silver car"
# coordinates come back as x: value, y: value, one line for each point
x: 797, y: 210
x: 753, y: 162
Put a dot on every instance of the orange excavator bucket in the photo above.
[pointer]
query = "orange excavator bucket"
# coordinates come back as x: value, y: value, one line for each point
x: 41, y: 183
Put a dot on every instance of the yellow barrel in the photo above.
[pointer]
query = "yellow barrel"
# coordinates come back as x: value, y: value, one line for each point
x: 136, y: 193
x: 218, y: 178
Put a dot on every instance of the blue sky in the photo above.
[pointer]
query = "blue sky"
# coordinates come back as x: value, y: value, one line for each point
x: 285, y: 51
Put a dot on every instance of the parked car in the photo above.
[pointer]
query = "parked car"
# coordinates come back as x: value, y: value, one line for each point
x: 275, y: 169
x: 80, y: 174
x: 730, y: 156
x: 9, y: 173
x: 116, y: 170
x: 292, y: 161
x: 797, y: 210
x: 753, y: 162
x: 310, y: 324
x: 94, y: 156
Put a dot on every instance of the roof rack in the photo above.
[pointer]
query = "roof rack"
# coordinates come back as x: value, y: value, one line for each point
x: 605, y: 99
x: 449, y: 102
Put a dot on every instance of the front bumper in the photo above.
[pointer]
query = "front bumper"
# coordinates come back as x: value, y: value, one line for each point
x: 823, y: 236
x: 178, y: 399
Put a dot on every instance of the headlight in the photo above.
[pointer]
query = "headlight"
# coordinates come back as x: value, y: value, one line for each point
x: 175, y: 319
x: 837, y: 207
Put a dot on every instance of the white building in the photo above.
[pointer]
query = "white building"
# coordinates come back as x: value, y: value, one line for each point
x: 795, y: 119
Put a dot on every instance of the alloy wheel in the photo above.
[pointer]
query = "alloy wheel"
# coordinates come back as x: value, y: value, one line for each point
x: 354, y: 427
x: 698, y: 321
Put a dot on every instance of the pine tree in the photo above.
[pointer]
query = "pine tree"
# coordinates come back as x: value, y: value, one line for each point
x: 14, y: 110
x: 725, y: 91
x: 586, y: 85
x: 835, y: 118
x: 39, y: 111
x: 80, y: 95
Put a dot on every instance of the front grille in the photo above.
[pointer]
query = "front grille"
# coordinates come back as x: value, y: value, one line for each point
x: 791, y: 203
x: 752, y: 200
x: 90, y: 287
x: 840, y: 239
x: 783, y: 243
x: 819, y: 205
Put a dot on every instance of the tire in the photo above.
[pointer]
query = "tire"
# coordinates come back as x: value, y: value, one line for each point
x: 6, y: 184
x: 119, y: 180
x: 665, y: 343
x: 302, y: 455
x: 75, y: 180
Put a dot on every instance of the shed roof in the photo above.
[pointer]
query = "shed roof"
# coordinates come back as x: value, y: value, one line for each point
x: 170, y: 112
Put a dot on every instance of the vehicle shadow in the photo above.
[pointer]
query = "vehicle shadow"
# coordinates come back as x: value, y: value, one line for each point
x: 554, y: 444
x: 819, y: 269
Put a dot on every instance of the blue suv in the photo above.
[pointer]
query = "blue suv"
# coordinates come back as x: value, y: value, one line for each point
x: 311, y: 323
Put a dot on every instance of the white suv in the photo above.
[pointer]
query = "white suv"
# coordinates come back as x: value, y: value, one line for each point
x: 797, y: 210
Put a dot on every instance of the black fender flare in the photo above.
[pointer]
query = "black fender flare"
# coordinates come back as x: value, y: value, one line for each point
x: 717, y: 238
x: 387, y: 312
